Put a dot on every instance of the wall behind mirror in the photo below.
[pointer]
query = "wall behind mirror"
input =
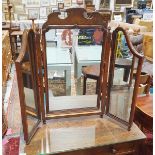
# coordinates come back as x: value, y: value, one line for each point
x: 22, y: 10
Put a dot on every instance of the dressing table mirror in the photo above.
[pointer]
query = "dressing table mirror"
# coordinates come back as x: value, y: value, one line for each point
x: 114, y: 79
x: 28, y: 85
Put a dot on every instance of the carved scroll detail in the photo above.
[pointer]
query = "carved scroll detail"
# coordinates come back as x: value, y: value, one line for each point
x: 78, y: 16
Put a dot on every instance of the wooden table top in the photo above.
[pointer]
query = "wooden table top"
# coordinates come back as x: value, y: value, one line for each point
x: 145, y: 104
x: 80, y: 133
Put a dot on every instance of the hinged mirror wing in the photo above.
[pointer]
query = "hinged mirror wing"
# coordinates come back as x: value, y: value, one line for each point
x: 27, y: 77
x: 123, y: 80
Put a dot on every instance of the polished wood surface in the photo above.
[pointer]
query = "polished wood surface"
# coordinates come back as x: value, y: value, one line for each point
x: 144, y: 119
x: 85, y: 135
x: 144, y: 112
x: 93, y: 70
x: 145, y: 104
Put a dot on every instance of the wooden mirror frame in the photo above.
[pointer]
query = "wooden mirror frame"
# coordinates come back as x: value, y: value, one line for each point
x: 29, y: 42
x: 137, y: 75
x: 38, y: 65
x: 77, y: 18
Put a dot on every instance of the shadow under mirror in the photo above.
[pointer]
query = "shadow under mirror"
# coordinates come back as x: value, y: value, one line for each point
x: 68, y: 51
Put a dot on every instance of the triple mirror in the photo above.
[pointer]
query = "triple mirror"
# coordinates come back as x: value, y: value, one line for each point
x: 67, y: 44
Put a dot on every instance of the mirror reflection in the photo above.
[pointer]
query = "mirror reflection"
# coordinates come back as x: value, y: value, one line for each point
x: 29, y: 98
x: 122, y: 82
x: 31, y: 107
x: 32, y: 122
x: 27, y: 83
x: 68, y: 52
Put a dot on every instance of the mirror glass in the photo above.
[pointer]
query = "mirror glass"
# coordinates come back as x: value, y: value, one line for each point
x: 121, y: 80
x: 31, y: 106
x: 68, y: 52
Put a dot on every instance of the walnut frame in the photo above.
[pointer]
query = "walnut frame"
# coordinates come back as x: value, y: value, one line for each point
x: 76, y: 18
x: 28, y: 37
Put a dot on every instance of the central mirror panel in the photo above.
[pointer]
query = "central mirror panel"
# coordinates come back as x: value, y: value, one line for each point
x: 71, y: 41
x: 68, y: 51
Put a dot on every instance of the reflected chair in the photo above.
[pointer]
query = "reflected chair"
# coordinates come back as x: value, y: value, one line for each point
x: 93, y: 71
